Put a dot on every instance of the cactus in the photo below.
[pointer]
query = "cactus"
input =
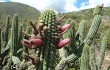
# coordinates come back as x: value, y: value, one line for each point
x: 14, y: 35
x: 0, y: 39
x: 88, y: 40
x: 50, y: 45
x: 20, y: 37
x: 85, y: 58
x: 81, y: 30
x: 98, y: 10
x: 7, y: 30
x: 71, y: 34
x: 50, y: 21
x: 92, y: 57
x: 93, y: 29
x: 12, y: 43
x: 102, y: 52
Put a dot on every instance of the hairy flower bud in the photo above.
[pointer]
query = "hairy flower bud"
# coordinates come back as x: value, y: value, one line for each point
x: 36, y: 42
x: 63, y: 43
x: 65, y: 27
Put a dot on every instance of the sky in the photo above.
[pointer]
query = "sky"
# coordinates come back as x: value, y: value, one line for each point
x: 62, y: 5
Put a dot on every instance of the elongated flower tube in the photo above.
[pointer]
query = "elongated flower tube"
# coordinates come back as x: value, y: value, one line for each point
x: 63, y: 43
x: 36, y: 42
x: 65, y: 27
x: 32, y: 43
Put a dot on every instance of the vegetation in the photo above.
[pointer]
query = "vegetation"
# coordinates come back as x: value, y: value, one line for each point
x: 24, y: 11
x: 52, y: 44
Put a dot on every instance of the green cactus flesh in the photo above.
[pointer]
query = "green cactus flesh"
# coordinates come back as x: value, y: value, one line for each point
x: 49, y: 20
x: 93, y: 29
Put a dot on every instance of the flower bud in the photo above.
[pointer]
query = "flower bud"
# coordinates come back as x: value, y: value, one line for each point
x: 65, y: 27
x: 36, y: 42
x: 63, y: 43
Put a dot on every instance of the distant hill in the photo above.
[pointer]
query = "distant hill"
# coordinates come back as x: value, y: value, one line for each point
x: 24, y: 11
x: 87, y: 14
x: 27, y: 12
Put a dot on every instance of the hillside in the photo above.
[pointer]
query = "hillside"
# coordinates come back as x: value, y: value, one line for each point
x: 87, y: 14
x: 27, y: 12
x: 24, y: 11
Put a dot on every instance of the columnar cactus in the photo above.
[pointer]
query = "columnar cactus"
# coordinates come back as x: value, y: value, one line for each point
x: 88, y: 40
x: 85, y: 58
x: 98, y: 10
x: 71, y: 34
x: 92, y: 57
x: 7, y: 30
x: 81, y: 30
x: 52, y: 39
x: 42, y: 44
x: 0, y: 39
x: 14, y: 35
x: 102, y: 52
x: 47, y: 37
x: 93, y: 30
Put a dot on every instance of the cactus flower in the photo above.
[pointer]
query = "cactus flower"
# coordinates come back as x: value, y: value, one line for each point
x: 65, y: 27
x: 36, y: 42
x: 63, y: 43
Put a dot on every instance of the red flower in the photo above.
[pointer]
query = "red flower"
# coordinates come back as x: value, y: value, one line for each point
x: 63, y: 43
x: 36, y: 42
x: 65, y: 27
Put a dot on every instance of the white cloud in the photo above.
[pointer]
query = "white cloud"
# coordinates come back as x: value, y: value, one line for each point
x: 106, y: 2
x: 93, y: 3
x: 2, y: 1
x: 39, y: 4
x: 58, y: 5
x: 61, y: 5
x: 69, y: 6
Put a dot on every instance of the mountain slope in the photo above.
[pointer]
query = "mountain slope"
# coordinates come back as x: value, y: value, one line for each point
x: 87, y: 14
x: 24, y: 11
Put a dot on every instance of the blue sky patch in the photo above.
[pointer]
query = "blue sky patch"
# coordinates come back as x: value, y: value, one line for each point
x: 78, y: 3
